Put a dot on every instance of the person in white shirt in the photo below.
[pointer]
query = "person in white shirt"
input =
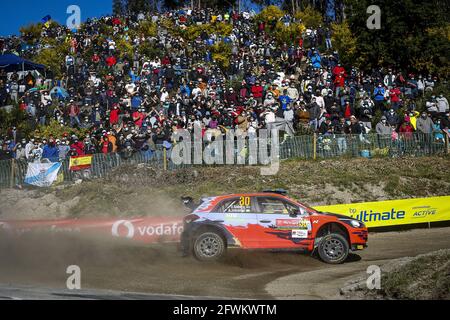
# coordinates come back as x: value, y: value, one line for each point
x: 164, y: 95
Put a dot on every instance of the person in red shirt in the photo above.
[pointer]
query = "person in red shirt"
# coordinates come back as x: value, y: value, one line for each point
x: 111, y: 61
x: 78, y: 146
x: 339, y: 82
x: 339, y: 69
x: 406, y: 130
x: 394, y: 94
x: 106, y: 145
x: 95, y: 59
x: 114, y: 115
x: 257, y: 91
x: 138, y: 117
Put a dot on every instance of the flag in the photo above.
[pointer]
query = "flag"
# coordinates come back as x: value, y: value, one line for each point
x: 47, y: 18
x: 78, y: 163
x: 42, y: 174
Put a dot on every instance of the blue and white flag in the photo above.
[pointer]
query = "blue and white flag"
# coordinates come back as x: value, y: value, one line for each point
x: 42, y: 174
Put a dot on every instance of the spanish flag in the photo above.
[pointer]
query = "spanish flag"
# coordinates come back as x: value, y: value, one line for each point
x: 78, y: 163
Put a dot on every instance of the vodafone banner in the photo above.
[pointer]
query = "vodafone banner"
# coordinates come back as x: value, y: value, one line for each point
x: 146, y: 230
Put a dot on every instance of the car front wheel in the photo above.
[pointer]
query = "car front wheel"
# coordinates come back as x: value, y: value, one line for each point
x: 209, y: 246
x: 333, y: 248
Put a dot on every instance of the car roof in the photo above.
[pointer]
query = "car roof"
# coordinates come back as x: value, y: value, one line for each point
x: 209, y: 203
x: 249, y: 194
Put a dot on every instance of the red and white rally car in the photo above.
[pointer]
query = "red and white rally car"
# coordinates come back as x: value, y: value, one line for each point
x: 268, y: 220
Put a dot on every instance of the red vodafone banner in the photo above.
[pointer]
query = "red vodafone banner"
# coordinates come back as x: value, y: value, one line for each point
x: 146, y: 229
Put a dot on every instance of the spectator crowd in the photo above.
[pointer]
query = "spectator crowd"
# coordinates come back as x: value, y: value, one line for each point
x: 124, y: 104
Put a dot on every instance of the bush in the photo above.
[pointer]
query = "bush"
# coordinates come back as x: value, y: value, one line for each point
x: 16, y: 118
x: 270, y: 14
x: 32, y: 32
x: 344, y: 42
x: 221, y: 54
x: 148, y: 28
x: 55, y: 129
x: 53, y: 58
x: 310, y: 17
x: 288, y: 34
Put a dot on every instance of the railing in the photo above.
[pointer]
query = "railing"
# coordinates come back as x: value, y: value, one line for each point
x: 12, y: 172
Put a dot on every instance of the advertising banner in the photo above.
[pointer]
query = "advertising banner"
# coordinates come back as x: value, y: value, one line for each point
x: 145, y: 230
x: 395, y: 212
x: 78, y: 163
x: 42, y: 174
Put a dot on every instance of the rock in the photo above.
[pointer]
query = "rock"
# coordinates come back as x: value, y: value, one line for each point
x: 53, y: 206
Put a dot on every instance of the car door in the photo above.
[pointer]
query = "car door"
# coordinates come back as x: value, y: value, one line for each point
x: 239, y: 219
x: 283, y: 224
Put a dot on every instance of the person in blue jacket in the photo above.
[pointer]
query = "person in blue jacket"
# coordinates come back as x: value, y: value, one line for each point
x: 378, y: 96
x: 316, y: 60
x: 50, y: 152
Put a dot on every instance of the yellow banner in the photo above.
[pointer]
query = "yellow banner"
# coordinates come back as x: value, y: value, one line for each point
x: 395, y: 212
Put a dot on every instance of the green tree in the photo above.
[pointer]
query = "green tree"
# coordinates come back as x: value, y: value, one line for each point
x: 408, y: 37
x: 311, y: 18
x: 344, y: 42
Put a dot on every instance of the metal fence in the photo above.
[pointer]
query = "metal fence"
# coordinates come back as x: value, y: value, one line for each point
x: 12, y: 172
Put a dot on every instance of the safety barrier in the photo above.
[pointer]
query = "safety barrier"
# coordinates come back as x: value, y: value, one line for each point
x: 12, y: 172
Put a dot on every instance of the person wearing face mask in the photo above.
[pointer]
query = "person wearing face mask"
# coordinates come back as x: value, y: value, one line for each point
x: 379, y: 93
x: 392, y: 118
x: 424, y: 124
x: 442, y: 104
x: 19, y: 152
x: 383, y: 127
x: 63, y: 149
x: 437, y: 131
x: 412, y: 118
x: 50, y: 152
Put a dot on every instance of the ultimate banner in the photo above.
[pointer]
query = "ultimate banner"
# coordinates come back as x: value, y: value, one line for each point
x: 395, y: 212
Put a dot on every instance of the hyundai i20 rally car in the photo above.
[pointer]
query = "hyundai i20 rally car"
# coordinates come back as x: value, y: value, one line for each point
x: 268, y: 220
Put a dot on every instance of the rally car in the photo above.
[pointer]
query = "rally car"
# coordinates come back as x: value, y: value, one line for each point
x: 268, y: 220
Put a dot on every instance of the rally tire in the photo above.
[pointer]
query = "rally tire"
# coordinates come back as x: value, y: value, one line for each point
x: 209, y: 246
x: 333, y: 248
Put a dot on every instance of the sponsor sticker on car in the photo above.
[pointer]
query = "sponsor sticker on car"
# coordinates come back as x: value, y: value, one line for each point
x: 299, y: 234
x: 293, y: 223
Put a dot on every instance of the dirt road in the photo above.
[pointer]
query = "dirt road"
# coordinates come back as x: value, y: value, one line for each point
x: 42, y: 260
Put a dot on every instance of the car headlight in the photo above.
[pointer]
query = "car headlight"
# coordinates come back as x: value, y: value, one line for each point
x: 354, y: 223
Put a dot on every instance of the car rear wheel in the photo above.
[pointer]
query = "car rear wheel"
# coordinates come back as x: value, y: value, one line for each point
x: 333, y: 248
x: 209, y: 246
